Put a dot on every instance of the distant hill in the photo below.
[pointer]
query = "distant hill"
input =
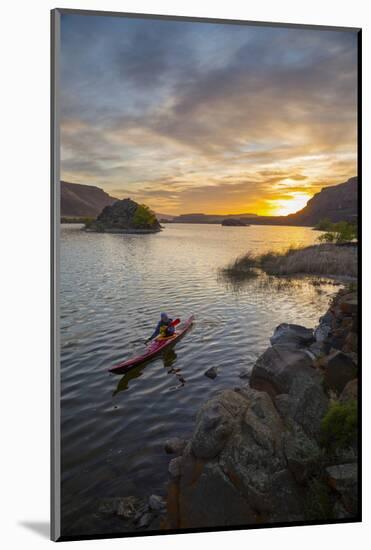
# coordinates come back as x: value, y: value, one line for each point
x: 337, y: 203
x: 79, y: 200
x: 209, y: 218
x: 164, y: 217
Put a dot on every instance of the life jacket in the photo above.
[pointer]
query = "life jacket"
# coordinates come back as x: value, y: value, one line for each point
x: 164, y: 327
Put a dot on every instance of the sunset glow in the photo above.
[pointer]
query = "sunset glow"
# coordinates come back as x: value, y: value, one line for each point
x: 200, y: 117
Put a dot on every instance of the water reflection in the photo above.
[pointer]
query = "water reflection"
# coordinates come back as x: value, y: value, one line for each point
x: 168, y: 358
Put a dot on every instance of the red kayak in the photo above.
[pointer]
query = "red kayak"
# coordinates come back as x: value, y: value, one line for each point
x: 155, y: 347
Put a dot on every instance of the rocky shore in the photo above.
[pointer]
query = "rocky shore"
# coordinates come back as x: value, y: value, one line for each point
x: 279, y: 448
x: 282, y: 447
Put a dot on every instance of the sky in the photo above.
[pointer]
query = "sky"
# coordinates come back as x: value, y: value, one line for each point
x: 202, y: 117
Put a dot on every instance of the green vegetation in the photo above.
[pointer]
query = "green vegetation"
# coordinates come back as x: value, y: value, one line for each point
x: 318, y: 501
x: 340, y: 426
x: 86, y: 220
x: 323, y: 225
x: 341, y: 232
x: 143, y: 217
x: 322, y: 259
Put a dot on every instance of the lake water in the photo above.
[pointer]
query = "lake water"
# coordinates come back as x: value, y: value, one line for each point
x: 113, y: 288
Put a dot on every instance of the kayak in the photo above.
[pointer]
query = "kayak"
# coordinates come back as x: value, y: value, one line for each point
x: 154, y: 348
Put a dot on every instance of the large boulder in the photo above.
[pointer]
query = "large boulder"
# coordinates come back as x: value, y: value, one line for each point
x: 292, y: 335
x: 283, y: 370
x: 275, y: 369
x: 212, y: 500
x: 302, y: 453
x: 215, y: 422
x: 340, y: 369
x: 234, y: 470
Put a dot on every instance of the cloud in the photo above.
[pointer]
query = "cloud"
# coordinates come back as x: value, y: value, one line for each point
x: 176, y: 110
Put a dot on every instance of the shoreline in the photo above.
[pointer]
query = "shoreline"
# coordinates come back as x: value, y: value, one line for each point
x: 272, y: 447
x: 124, y: 231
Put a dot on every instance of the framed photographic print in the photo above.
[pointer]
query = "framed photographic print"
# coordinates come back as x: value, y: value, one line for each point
x: 205, y: 244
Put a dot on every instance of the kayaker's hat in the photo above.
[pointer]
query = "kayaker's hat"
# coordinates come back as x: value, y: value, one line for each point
x: 164, y: 317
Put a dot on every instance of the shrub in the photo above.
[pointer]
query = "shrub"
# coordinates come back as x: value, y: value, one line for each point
x: 340, y: 425
x: 340, y: 232
x: 143, y: 217
x: 323, y: 225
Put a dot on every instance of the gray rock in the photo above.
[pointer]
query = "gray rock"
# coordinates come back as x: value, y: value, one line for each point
x: 293, y: 335
x: 283, y: 403
x: 144, y: 520
x: 309, y: 403
x: 215, y: 423
x: 277, y: 367
x: 211, y: 499
x: 344, y: 479
x: 109, y: 506
x: 340, y: 370
x: 131, y: 507
x: 212, y: 373
x: 327, y: 319
x: 282, y: 370
x: 302, y: 453
x: 174, y: 467
x: 315, y: 350
x: 322, y: 332
x: 235, y: 470
x: 156, y: 503
x: 175, y: 445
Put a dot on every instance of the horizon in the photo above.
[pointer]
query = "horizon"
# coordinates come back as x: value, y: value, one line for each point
x: 207, y: 117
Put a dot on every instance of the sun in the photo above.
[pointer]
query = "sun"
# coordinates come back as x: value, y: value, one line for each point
x: 285, y: 206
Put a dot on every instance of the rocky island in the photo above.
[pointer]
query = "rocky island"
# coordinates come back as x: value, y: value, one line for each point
x: 234, y: 222
x: 125, y: 216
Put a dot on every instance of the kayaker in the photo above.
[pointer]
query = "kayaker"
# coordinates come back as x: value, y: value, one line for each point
x: 163, y: 328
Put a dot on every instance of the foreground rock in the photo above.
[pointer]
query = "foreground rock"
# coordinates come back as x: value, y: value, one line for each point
x: 125, y: 216
x: 133, y: 513
x: 293, y: 335
x: 175, y: 445
x: 212, y: 373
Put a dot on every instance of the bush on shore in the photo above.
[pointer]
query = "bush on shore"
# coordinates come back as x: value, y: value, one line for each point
x: 340, y: 232
x: 339, y: 426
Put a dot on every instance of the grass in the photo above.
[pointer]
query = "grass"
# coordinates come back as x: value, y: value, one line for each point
x: 321, y: 259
